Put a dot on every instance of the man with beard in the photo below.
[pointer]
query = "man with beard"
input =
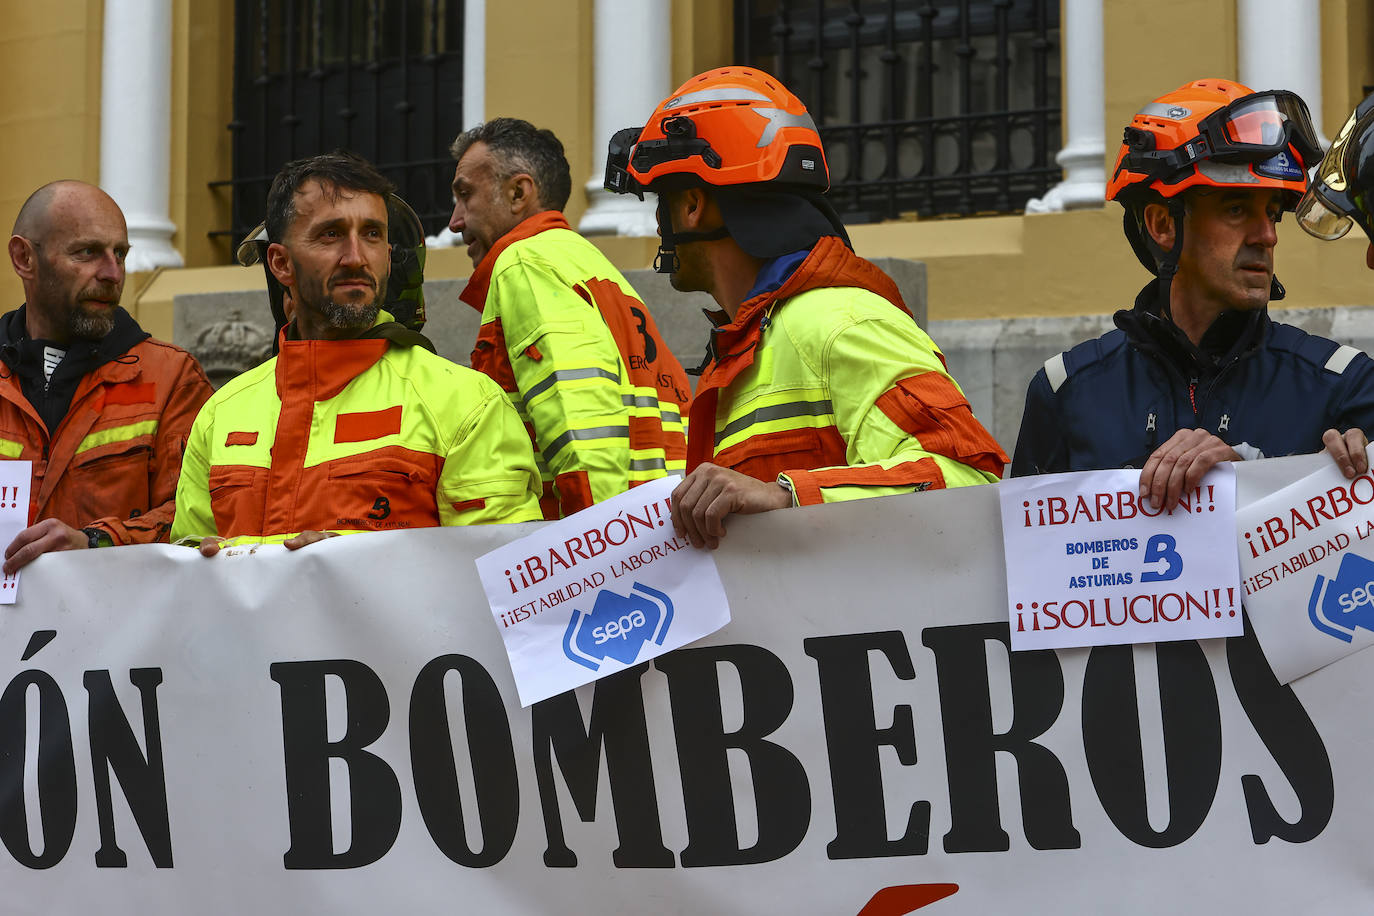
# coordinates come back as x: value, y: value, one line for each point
x: 101, y: 409
x: 1197, y: 372
x: 356, y: 425
x: 563, y: 332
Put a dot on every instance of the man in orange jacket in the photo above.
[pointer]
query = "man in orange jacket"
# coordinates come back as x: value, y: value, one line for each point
x: 101, y: 410
x: 356, y: 425
x: 819, y: 387
x: 563, y: 332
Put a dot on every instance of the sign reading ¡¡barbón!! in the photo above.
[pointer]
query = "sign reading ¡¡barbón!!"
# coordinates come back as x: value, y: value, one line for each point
x: 1307, y: 558
x: 591, y: 594
x: 1092, y: 563
x: 336, y: 730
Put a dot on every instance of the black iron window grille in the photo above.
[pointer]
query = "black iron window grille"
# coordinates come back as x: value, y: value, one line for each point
x: 380, y: 77
x: 934, y: 108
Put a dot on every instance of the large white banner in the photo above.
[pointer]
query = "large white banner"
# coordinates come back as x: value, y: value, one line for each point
x: 336, y: 730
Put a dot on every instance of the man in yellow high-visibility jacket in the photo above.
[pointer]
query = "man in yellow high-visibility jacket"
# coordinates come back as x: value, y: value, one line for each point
x: 563, y: 333
x: 820, y: 386
x: 356, y: 425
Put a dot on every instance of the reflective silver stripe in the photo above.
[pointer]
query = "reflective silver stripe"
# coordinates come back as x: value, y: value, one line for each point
x: 726, y: 94
x: 630, y: 400
x: 776, y: 412
x: 1341, y: 359
x: 567, y: 375
x: 1055, y: 371
x: 594, y: 432
x: 1226, y: 172
x: 1161, y: 110
x: 670, y: 416
x: 648, y: 464
x: 778, y: 118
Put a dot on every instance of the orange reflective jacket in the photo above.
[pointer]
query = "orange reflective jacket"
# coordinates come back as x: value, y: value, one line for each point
x: 828, y: 386
x: 579, y: 355
x: 113, y: 461
x: 354, y: 435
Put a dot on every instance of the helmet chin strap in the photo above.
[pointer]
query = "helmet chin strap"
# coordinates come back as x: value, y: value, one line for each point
x: 1169, y: 266
x: 666, y: 262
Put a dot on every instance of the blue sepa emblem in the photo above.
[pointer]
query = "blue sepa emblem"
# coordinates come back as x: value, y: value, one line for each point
x: 1349, y: 600
x: 618, y: 626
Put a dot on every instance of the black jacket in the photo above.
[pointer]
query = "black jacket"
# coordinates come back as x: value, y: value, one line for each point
x: 1267, y: 388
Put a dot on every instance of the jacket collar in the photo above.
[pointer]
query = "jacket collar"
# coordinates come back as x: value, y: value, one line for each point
x: 475, y: 293
x: 17, y: 348
x: 323, y: 368
x: 830, y: 264
x: 1232, y: 335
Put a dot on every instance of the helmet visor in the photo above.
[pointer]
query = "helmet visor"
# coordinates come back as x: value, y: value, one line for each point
x: 1320, y: 219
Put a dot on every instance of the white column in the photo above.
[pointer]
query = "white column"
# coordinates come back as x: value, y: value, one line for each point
x: 1279, y: 43
x: 474, y: 62
x: 136, y: 125
x: 1085, y: 177
x: 633, y: 51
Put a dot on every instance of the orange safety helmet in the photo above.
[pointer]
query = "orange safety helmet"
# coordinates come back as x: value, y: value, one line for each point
x: 1210, y: 133
x: 730, y: 126
x: 740, y: 132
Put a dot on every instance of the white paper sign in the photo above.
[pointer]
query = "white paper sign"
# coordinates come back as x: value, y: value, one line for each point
x: 1090, y: 564
x: 1307, y: 567
x: 14, y: 515
x: 599, y: 591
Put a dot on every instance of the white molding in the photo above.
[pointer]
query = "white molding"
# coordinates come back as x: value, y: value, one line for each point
x: 1085, y: 176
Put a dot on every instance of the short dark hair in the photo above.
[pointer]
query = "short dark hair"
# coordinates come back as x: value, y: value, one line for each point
x: 340, y: 170
x: 519, y: 146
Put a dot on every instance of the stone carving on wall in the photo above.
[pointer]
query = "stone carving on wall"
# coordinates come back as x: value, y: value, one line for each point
x: 231, y: 346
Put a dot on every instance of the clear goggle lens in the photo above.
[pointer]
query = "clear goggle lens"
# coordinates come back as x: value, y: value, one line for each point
x: 1319, y: 220
x: 1258, y: 126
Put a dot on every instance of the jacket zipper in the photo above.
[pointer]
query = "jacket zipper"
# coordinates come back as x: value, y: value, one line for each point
x: 1192, y: 395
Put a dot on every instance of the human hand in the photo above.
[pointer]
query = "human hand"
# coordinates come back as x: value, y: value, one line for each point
x: 307, y: 537
x: 1348, y: 451
x: 1179, y: 465
x: 36, y: 540
x: 710, y: 493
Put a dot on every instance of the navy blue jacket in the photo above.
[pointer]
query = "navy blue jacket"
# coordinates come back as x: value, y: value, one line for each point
x: 1256, y: 383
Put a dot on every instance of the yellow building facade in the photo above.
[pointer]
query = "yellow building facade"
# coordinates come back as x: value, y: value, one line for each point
x: 539, y: 65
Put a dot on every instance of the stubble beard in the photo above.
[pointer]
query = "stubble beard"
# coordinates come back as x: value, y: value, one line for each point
x: 344, y: 315
x: 80, y: 321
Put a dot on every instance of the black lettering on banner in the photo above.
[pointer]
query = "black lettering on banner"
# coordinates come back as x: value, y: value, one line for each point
x: 1294, y: 742
x: 374, y: 795
x: 56, y: 770
x: 1192, y: 739
x: 852, y: 740
x: 115, y: 749
x: 971, y: 745
x: 618, y: 727
x: 782, y: 796
x: 491, y: 751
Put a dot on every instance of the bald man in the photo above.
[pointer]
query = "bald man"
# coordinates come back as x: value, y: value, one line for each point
x: 101, y: 409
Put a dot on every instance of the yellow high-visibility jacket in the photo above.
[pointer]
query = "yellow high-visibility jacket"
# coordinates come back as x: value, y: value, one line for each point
x: 354, y: 435
x: 827, y: 386
x: 577, y: 351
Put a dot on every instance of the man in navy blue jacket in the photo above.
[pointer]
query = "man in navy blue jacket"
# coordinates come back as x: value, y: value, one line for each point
x: 1197, y: 372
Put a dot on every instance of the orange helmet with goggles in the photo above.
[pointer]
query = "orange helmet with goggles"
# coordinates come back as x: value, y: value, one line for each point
x: 1211, y: 133
x: 730, y: 126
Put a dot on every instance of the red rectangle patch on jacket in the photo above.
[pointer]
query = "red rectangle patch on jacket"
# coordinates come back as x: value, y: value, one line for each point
x: 369, y: 424
x: 136, y: 393
x: 241, y: 439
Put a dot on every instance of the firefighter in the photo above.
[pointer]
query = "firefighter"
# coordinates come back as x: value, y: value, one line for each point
x: 819, y: 385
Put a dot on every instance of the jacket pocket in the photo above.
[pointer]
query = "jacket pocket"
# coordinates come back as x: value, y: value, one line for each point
x: 109, y: 480
x: 237, y: 499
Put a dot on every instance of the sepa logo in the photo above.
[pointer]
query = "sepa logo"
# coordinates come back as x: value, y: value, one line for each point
x: 618, y: 626
x: 1349, y: 600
